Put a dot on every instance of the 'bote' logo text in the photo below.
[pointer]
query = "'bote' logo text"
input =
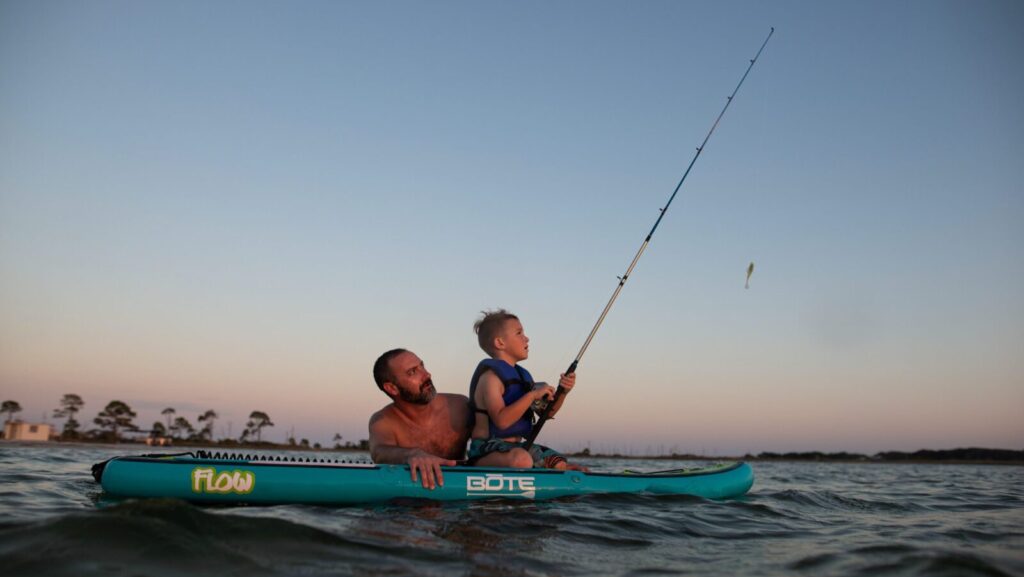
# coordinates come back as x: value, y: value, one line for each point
x: 208, y: 480
x: 496, y: 484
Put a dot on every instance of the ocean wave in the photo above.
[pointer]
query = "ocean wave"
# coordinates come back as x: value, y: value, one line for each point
x: 808, y: 519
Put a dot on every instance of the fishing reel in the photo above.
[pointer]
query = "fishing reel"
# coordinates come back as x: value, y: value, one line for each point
x: 542, y: 403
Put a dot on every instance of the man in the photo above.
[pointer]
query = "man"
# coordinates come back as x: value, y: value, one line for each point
x: 420, y: 427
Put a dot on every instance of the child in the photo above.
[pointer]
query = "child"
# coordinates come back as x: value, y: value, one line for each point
x: 502, y: 394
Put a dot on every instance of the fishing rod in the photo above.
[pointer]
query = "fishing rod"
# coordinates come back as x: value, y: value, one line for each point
x: 546, y: 413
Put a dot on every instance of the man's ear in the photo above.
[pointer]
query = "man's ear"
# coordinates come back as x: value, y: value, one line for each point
x: 390, y: 388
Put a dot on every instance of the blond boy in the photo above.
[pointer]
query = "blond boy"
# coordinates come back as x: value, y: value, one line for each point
x: 502, y: 395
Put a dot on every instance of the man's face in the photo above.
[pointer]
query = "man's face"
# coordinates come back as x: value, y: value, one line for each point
x: 412, y: 379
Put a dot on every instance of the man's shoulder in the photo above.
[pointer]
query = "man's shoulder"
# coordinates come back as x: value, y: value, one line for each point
x: 382, y: 416
x: 454, y: 401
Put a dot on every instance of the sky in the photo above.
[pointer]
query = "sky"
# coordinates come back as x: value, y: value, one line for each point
x: 239, y: 205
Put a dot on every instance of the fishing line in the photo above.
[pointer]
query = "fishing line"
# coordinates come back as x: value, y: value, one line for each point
x: 546, y: 413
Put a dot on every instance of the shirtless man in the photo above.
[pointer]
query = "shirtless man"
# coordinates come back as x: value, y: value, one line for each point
x: 420, y: 427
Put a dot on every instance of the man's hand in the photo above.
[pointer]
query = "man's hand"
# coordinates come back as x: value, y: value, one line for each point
x: 428, y: 468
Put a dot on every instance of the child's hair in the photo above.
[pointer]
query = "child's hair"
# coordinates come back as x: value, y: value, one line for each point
x: 489, y: 325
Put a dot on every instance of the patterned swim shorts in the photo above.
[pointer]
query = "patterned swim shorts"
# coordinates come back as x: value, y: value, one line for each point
x: 543, y: 457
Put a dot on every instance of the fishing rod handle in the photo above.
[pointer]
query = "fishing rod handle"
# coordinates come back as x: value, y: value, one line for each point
x: 572, y: 367
x: 545, y: 415
x: 543, y: 418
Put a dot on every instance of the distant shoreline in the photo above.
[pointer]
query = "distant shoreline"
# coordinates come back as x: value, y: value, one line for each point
x: 969, y: 456
x: 755, y: 459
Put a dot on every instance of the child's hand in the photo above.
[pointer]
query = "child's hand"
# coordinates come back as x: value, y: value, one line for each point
x: 567, y: 382
x: 542, y: 390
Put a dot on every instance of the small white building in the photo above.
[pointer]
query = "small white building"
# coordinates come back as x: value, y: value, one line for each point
x: 21, y: 431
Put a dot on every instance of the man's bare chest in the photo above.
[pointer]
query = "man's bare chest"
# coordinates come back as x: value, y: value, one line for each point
x: 436, y: 437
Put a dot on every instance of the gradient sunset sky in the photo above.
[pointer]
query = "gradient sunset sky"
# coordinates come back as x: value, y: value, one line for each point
x: 239, y: 205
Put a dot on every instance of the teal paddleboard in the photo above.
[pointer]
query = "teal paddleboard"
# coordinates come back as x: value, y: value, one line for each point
x: 242, y: 479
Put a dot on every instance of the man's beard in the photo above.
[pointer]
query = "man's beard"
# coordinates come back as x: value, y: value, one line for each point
x: 423, y: 397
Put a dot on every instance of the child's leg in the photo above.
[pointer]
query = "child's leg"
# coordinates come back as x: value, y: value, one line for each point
x: 551, y: 459
x: 515, y: 458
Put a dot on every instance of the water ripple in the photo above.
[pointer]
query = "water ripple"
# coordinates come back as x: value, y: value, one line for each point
x: 801, y: 518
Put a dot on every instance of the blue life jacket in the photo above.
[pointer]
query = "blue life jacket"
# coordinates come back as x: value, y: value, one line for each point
x: 518, y: 382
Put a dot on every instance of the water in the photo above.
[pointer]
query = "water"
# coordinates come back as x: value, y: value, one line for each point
x: 799, y: 519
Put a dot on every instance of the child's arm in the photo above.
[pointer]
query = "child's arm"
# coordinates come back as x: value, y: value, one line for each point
x: 502, y: 415
x: 567, y: 382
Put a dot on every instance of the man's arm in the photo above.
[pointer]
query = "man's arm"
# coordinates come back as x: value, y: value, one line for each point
x: 393, y: 454
x: 384, y: 449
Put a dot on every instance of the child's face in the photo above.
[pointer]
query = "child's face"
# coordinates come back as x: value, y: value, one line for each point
x: 517, y: 344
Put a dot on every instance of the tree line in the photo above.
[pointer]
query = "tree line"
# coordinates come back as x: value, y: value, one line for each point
x: 118, y: 417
